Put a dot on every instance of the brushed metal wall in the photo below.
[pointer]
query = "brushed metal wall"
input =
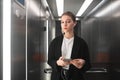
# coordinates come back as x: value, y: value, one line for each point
x: 18, y: 42
x: 28, y: 40
x: 36, y: 40
x: 102, y: 34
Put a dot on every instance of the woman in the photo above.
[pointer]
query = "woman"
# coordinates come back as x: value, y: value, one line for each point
x: 68, y: 54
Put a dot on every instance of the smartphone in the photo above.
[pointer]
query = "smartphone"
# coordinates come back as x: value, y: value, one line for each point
x: 67, y: 59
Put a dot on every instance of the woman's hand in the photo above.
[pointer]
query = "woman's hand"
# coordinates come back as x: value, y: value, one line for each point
x: 61, y: 62
x: 78, y: 63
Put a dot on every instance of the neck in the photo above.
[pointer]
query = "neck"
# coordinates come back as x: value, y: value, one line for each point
x: 69, y: 35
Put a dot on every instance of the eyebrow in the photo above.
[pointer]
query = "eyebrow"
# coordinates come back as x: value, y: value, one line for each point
x: 67, y: 19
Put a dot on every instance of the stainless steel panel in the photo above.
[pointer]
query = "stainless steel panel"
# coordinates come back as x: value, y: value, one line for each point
x: 102, y: 34
x: 18, y: 42
x: 36, y: 40
x: 30, y: 42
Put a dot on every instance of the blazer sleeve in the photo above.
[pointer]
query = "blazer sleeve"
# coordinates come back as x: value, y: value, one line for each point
x: 86, y: 56
x: 51, y: 56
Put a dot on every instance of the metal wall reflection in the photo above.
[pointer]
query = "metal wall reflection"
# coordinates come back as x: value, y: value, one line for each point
x: 29, y: 37
x: 36, y: 40
x: 18, y: 42
x: 103, y: 36
x: 33, y: 29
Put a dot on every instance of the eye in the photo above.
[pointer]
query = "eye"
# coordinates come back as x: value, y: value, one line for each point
x: 68, y: 21
x: 62, y: 22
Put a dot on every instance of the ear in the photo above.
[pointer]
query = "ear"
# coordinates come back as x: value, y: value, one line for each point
x: 75, y: 24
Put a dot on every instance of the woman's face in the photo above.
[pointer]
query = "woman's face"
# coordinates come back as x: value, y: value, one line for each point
x: 67, y: 24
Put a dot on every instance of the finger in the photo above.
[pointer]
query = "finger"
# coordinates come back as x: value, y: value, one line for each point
x: 82, y: 61
x: 61, y: 58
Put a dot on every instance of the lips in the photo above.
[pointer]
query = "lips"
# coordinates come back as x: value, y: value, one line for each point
x: 65, y: 28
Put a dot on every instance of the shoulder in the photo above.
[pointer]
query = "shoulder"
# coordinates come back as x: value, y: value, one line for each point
x: 80, y: 40
x: 57, y: 39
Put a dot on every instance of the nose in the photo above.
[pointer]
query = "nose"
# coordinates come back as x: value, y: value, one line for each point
x: 65, y: 23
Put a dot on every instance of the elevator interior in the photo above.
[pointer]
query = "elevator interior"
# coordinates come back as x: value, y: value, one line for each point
x: 34, y: 23
x: 99, y: 26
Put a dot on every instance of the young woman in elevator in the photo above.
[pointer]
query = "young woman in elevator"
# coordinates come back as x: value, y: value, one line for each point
x: 68, y: 54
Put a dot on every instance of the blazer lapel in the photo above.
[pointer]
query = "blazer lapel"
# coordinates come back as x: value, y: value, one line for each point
x: 60, y: 40
x: 75, y: 48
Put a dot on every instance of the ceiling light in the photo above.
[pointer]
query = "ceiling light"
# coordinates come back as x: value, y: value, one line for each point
x: 60, y: 6
x: 84, y: 7
x: 108, y: 9
x: 6, y: 39
x: 35, y: 8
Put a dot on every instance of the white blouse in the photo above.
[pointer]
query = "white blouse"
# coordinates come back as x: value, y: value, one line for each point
x: 66, y: 49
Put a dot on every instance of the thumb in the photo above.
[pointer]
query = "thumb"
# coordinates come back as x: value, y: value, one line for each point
x: 61, y: 58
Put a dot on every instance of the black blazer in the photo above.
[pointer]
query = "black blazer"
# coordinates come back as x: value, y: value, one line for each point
x: 79, y: 50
